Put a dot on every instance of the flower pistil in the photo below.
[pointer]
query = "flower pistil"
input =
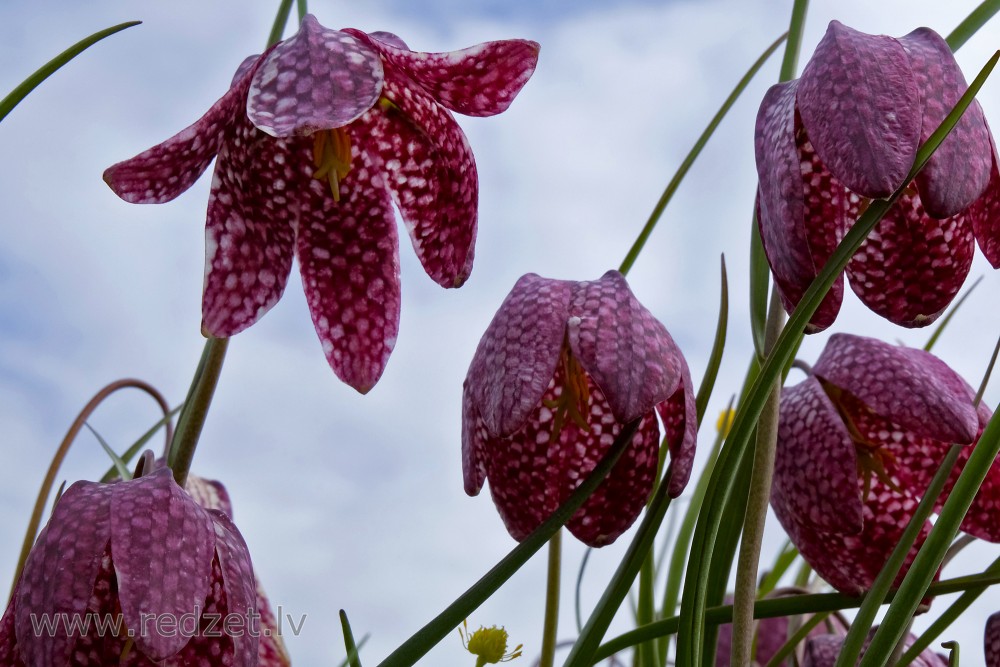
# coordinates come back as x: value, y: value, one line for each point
x: 332, y: 157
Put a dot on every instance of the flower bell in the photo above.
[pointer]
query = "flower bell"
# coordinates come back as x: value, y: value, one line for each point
x: 317, y: 139
x: 561, y: 369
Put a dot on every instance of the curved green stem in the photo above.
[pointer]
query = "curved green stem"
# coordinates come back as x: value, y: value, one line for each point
x: 196, y: 406
x: 551, y: 626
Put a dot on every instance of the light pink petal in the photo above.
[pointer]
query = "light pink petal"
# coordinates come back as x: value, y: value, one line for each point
x: 474, y: 439
x: 517, y: 356
x: 249, y: 237
x: 168, y: 169
x: 241, y: 590
x: 481, y: 80
x: 318, y: 79
x: 802, y: 210
x: 162, y: 545
x: 860, y: 106
x: 271, y: 651
x: 910, y: 387
x: 815, y: 467
x: 991, y: 640
x: 911, y: 266
x: 62, y: 568
x: 680, y: 424
x: 959, y: 170
x: 624, y: 349
x: 210, y: 494
x: 348, y: 256
x: 431, y: 173
x: 985, y: 215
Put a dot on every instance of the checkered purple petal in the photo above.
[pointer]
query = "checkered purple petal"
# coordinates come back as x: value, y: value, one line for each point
x: 991, y: 640
x: 240, y: 585
x: 985, y: 214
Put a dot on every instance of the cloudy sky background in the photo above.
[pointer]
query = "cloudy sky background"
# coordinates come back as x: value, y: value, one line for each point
x: 351, y: 501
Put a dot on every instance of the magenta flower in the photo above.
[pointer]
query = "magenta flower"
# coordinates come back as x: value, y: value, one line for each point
x: 847, y: 132
x: 991, y: 640
x: 136, y: 568
x: 561, y: 368
x: 317, y: 139
x: 858, y: 443
x: 822, y: 651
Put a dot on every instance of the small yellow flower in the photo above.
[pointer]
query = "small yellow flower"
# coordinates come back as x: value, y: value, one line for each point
x: 488, y: 644
x: 725, y: 421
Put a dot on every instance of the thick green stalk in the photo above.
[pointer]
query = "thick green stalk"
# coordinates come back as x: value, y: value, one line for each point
x: 972, y: 23
x: 551, y: 626
x: 196, y: 406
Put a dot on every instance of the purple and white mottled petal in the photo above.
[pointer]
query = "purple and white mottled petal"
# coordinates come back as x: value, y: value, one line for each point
x: 474, y: 439
x: 162, y: 544
x: 911, y: 265
x: 250, y: 232
x: 165, y: 171
x: 815, y: 467
x: 271, y: 651
x: 822, y: 651
x: 390, y: 38
x: 910, y: 387
x: 859, y: 103
x: 985, y: 214
x: 801, y: 209
x: 958, y: 171
x: 517, y: 355
x: 430, y: 171
x: 210, y: 494
x: 481, y: 80
x: 319, y: 79
x: 625, y: 350
x: 680, y: 424
x: 981, y: 519
x: 348, y: 256
x: 991, y: 640
x: 240, y: 586
x: 211, y: 642
x: 60, y: 571
x: 10, y: 656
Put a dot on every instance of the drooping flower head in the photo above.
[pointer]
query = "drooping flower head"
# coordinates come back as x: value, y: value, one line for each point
x: 316, y: 140
x: 135, y: 569
x: 991, y: 640
x: 822, y: 651
x: 847, y: 132
x: 561, y: 368
x: 859, y: 442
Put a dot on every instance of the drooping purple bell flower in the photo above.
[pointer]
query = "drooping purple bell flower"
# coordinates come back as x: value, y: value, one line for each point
x: 133, y: 572
x: 847, y: 132
x: 859, y: 442
x: 316, y: 140
x: 561, y: 368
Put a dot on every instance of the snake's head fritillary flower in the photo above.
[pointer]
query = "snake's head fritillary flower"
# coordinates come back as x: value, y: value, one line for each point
x: 858, y: 444
x: 847, y: 132
x: 991, y: 641
x: 316, y: 140
x: 822, y: 651
x: 135, y: 570
x: 561, y: 368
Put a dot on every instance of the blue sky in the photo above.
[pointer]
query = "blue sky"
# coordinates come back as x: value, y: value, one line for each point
x: 356, y: 502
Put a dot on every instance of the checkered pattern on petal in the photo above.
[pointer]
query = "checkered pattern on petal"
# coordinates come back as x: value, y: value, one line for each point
x: 959, y: 170
x: 481, y: 80
x: 474, y: 438
x: 815, y: 468
x: 517, y: 355
x: 991, y: 640
x: 10, y: 655
x: 910, y: 387
x: 168, y: 169
x: 257, y: 191
x: 240, y: 586
x: 319, y: 79
x: 911, y: 266
x: 985, y: 214
x: 680, y: 424
x: 348, y: 256
x: 859, y: 103
x: 60, y: 571
x: 822, y: 651
x: 431, y: 173
x: 162, y: 544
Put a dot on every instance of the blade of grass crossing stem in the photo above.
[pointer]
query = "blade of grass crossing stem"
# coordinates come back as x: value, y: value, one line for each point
x: 718, y: 347
x: 973, y: 22
x: 352, y: 650
x: 579, y: 586
x: 760, y: 280
x: 444, y: 623
x: 117, y: 462
x: 346, y: 662
x: 786, y: 557
x: 682, y: 171
x: 939, y: 329
x: 928, y: 559
x: 15, y: 96
x: 136, y: 446
x: 797, y: 637
x: 693, y: 601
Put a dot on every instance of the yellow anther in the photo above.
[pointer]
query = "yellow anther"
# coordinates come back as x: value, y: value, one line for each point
x: 332, y: 157
x: 488, y: 644
x: 725, y: 421
x: 574, y: 399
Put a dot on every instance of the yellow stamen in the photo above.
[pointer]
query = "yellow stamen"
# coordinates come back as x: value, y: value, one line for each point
x: 725, y: 421
x: 332, y: 157
x: 574, y: 399
x: 488, y: 644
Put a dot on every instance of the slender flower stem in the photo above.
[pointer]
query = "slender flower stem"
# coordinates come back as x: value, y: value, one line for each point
x: 280, y: 20
x: 196, y: 406
x: 60, y: 455
x: 303, y: 7
x: 551, y: 626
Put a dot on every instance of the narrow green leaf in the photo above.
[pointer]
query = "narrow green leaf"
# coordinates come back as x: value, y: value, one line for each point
x: 939, y: 329
x: 786, y: 557
x: 760, y: 280
x: 972, y: 23
x: 118, y: 463
x: 45, y: 71
x: 682, y: 171
x: 346, y: 662
x: 442, y: 625
x: 138, y: 445
x: 952, y: 648
x: 579, y: 587
x: 718, y: 347
x: 352, y: 649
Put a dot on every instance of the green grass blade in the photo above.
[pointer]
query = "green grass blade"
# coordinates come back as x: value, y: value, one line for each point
x: 718, y: 347
x: 15, y: 96
x: 760, y: 280
x: 972, y: 23
x: 137, y: 446
x: 352, y: 650
x: 786, y: 557
x: 117, y: 463
x: 797, y: 638
x: 939, y: 329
